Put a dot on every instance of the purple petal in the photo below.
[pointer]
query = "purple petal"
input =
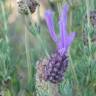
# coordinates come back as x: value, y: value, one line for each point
x: 63, y: 34
x: 50, y: 24
x: 64, y: 14
x: 70, y: 38
x: 63, y: 24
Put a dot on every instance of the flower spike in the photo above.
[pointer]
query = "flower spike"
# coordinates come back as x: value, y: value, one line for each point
x: 58, y: 62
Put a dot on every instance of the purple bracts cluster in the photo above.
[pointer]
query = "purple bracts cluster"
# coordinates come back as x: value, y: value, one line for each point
x: 65, y: 39
x: 58, y: 62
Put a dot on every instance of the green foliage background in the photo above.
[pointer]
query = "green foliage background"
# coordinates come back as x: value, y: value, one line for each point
x: 18, y: 56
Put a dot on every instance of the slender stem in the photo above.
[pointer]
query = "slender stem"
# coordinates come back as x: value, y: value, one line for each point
x: 74, y: 75
x: 28, y: 56
x: 88, y: 24
x: 5, y: 30
x: 41, y: 41
x: 54, y: 90
x: 88, y: 7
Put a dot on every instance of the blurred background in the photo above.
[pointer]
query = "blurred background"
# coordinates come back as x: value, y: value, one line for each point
x: 25, y: 40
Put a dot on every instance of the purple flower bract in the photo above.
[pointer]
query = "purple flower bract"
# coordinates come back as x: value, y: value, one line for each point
x: 65, y: 39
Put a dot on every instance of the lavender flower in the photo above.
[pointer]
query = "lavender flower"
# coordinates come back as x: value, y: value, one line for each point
x: 58, y: 62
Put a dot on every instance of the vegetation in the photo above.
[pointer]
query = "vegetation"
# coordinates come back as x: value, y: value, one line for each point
x: 23, y: 43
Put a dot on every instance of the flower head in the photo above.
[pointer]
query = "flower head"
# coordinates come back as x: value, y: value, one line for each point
x: 65, y: 39
x: 27, y: 6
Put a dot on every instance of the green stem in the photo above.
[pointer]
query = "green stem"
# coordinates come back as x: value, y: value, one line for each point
x: 28, y: 57
x: 54, y: 90
x: 41, y: 41
x: 74, y: 75
x: 5, y: 30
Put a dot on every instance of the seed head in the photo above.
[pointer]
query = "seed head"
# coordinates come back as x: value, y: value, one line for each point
x: 26, y: 6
